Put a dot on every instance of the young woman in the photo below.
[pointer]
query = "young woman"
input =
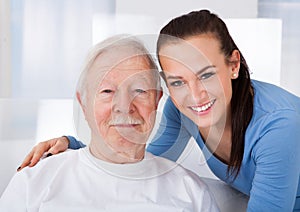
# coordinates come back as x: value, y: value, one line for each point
x: 247, y: 129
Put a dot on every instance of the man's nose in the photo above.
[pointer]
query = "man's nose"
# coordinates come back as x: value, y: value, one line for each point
x: 123, y: 102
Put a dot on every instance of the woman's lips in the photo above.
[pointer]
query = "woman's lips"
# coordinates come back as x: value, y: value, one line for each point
x: 204, y: 107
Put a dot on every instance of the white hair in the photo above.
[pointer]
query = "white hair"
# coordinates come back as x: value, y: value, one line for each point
x: 117, y: 43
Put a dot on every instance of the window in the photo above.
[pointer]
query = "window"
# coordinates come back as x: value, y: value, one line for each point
x: 45, y: 44
x: 50, y: 40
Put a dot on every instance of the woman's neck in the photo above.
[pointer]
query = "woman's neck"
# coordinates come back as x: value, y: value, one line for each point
x: 218, y: 140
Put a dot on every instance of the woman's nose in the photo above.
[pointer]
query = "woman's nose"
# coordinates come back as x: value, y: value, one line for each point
x: 198, y: 91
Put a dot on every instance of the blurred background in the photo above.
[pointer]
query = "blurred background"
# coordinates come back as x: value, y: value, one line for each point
x: 43, y: 44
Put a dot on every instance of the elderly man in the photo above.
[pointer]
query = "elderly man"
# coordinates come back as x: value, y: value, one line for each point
x: 119, y: 91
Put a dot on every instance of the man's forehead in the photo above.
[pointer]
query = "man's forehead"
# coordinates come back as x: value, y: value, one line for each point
x: 122, y: 75
x: 130, y: 72
x: 104, y: 62
x: 129, y: 75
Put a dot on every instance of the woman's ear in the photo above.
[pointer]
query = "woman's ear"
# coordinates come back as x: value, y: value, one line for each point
x: 235, y: 59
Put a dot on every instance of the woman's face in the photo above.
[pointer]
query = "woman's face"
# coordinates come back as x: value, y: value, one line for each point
x: 199, y: 79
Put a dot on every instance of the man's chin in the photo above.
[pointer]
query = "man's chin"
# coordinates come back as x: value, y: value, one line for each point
x: 132, y: 135
x: 121, y: 140
x: 130, y: 141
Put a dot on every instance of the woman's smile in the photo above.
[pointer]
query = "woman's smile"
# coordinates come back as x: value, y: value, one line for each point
x: 204, y: 108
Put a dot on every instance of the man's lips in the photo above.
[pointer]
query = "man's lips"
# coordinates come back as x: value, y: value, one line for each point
x: 125, y: 125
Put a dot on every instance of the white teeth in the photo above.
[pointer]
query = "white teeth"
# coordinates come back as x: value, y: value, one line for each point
x: 204, y: 107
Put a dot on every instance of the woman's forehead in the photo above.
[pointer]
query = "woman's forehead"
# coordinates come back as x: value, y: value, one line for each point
x: 192, y: 53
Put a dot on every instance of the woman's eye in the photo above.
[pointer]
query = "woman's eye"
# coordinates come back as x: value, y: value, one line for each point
x: 176, y: 83
x: 206, y: 75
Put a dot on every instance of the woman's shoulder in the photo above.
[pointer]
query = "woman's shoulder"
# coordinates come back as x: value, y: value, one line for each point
x: 276, y: 113
x: 270, y: 98
x: 169, y: 106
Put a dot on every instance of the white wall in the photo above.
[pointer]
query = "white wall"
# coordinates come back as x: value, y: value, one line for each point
x: 249, y: 34
x: 138, y: 16
x: 289, y: 12
x: 171, y: 8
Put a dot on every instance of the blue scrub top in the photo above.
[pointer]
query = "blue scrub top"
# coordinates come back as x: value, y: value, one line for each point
x: 270, y: 168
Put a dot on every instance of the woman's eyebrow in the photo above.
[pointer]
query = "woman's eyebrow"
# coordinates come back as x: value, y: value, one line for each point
x: 197, y: 73
x: 204, y: 69
x: 174, y: 77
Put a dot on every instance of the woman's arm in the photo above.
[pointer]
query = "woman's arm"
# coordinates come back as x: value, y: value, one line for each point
x: 171, y: 136
x: 277, y: 156
x: 48, y: 148
x: 74, y: 143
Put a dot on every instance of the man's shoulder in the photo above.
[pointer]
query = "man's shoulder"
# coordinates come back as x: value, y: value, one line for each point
x: 52, y: 164
x: 60, y: 158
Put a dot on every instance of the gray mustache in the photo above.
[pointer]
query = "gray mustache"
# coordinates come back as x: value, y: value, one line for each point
x: 125, y: 120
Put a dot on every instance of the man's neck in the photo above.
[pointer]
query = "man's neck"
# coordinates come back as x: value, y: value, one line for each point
x: 103, y: 152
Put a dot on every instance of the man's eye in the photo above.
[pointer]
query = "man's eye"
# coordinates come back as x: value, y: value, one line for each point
x: 206, y: 75
x: 106, y: 91
x: 176, y: 83
x: 140, y: 91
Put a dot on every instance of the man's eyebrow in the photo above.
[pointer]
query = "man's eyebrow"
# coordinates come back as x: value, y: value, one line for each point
x: 197, y: 73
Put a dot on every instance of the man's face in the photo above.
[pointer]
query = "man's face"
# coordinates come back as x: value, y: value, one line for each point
x: 122, y: 104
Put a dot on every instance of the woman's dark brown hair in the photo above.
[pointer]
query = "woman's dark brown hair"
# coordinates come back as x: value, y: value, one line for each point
x: 204, y: 22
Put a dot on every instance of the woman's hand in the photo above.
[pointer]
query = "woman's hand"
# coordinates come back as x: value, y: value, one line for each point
x: 45, y: 148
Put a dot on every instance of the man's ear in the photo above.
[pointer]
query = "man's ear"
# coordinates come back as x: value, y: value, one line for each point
x: 78, y: 96
x: 159, y: 95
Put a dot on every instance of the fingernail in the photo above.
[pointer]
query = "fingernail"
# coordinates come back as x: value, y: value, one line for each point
x: 18, y: 168
x: 49, y: 154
